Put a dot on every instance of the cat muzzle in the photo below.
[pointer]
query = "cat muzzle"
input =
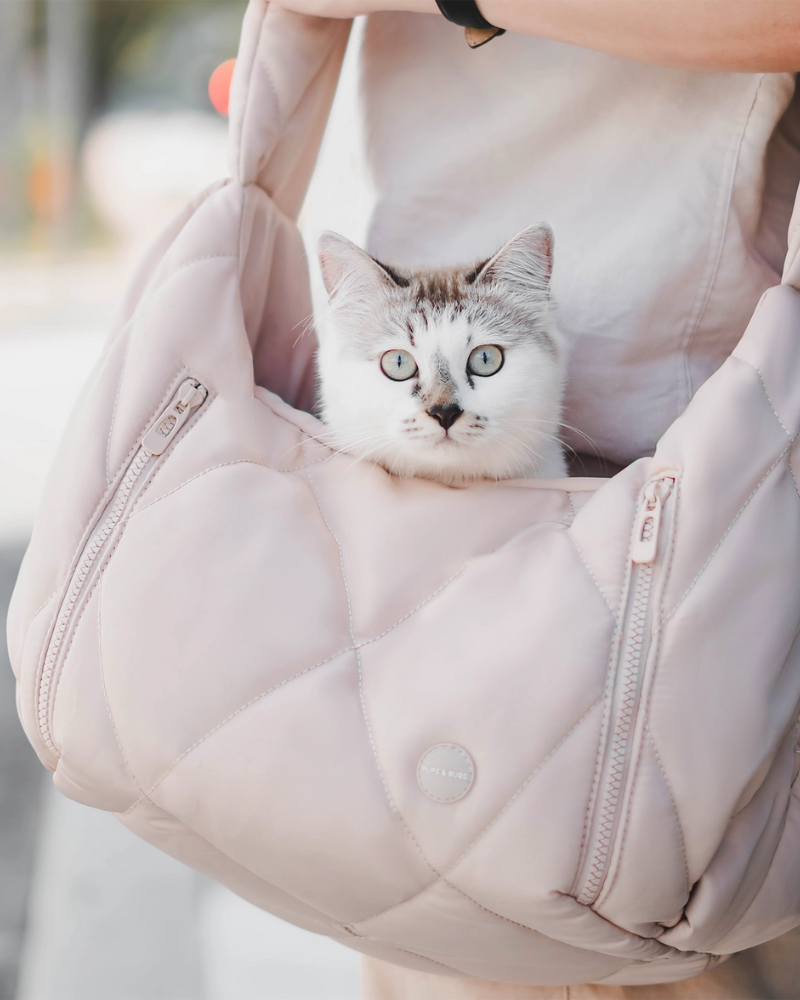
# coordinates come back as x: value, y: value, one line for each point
x: 446, y: 415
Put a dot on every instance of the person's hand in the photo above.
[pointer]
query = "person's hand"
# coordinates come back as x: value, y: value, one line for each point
x: 352, y: 8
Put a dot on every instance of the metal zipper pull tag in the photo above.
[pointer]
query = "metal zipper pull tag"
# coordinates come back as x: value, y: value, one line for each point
x: 648, y: 524
x: 188, y: 397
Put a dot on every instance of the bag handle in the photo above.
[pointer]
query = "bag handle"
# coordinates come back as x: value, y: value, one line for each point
x: 791, y: 268
x: 281, y: 94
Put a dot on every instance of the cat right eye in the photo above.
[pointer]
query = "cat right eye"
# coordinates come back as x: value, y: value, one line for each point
x: 398, y: 365
x: 485, y: 360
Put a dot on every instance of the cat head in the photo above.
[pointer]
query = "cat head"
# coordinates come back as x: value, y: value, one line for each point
x: 451, y: 374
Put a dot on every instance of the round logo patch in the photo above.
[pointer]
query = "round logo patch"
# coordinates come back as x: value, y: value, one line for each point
x: 445, y: 772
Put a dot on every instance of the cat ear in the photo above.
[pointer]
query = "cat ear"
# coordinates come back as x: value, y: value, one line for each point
x: 349, y: 272
x: 525, y: 262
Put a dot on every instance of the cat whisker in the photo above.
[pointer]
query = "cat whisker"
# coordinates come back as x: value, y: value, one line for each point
x: 347, y: 447
x: 590, y: 441
x: 307, y: 327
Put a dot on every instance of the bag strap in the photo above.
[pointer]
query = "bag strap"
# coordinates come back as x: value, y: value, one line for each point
x: 791, y: 269
x: 281, y: 94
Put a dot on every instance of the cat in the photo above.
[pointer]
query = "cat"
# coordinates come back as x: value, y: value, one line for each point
x: 452, y: 374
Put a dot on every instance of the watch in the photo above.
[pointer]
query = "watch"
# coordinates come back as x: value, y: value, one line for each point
x: 465, y: 13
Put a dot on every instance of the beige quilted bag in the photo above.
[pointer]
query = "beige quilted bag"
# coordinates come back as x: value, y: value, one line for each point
x: 531, y: 731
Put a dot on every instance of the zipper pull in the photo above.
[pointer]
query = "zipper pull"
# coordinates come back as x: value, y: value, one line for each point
x: 188, y: 397
x: 648, y: 524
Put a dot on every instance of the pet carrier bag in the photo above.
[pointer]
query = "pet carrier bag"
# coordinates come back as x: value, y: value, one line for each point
x: 531, y: 731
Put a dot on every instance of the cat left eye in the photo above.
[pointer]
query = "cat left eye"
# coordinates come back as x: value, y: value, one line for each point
x: 398, y: 365
x: 485, y: 360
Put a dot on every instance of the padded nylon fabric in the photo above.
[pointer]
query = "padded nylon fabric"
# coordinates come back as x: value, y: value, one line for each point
x: 243, y: 646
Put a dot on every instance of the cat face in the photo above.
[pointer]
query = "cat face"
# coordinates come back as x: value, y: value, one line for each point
x: 453, y: 375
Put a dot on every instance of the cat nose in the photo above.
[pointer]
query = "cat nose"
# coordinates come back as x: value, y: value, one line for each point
x: 446, y: 415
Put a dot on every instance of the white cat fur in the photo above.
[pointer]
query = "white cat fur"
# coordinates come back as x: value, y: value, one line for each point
x: 510, y: 420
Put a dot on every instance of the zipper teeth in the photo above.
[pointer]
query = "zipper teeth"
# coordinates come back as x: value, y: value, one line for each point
x: 76, y: 585
x: 629, y: 687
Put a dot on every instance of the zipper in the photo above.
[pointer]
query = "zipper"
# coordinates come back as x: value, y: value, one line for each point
x: 166, y: 427
x: 633, y: 650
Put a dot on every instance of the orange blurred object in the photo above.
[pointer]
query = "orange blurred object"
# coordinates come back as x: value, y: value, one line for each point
x: 51, y: 187
x: 219, y: 86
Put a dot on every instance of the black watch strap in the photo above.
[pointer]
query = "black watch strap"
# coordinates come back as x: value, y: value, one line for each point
x: 466, y: 14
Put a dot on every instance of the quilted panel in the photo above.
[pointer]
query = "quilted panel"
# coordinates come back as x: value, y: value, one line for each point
x: 265, y: 640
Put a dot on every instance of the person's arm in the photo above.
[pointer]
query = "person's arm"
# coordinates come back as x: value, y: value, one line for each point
x: 737, y: 35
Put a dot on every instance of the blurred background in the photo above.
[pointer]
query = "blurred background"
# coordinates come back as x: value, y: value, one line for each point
x: 106, y: 130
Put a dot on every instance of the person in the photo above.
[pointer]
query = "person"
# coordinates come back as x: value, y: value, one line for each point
x: 661, y: 140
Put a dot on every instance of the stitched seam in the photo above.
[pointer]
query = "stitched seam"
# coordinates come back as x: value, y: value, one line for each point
x: 591, y: 574
x: 306, y: 465
x: 173, y: 447
x: 126, y: 331
x: 738, y: 514
x: 572, y: 511
x: 766, y: 393
x: 100, y: 570
x: 199, y: 475
x: 666, y: 949
x: 732, y: 166
x: 105, y: 694
x: 674, y: 809
x: 389, y: 798
x: 584, y: 862
x: 676, y: 524
x: 524, y: 927
x: 791, y: 473
x: 84, y: 538
x: 430, y: 597
x: 442, y: 877
x: 354, y: 648
x: 76, y: 623
x: 233, y: 715
x: 646, y: 711
x: 614, y: 857
x: 142, y: 430
x: 294, y: 426
x: 349, y: 649
x: 37, y: 613
x: 673, y: 543
x: 629, y: 786
x: 40, y: 666
x: 464, y: 756
x: 188, y: 263
x: 601, y: 744
x: 229, y: 860
x: 525, y: 783
x: 402, y: 902
x: 499, y: 916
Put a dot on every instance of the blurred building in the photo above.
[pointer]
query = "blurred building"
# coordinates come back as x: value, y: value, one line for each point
x: 65, y: 65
